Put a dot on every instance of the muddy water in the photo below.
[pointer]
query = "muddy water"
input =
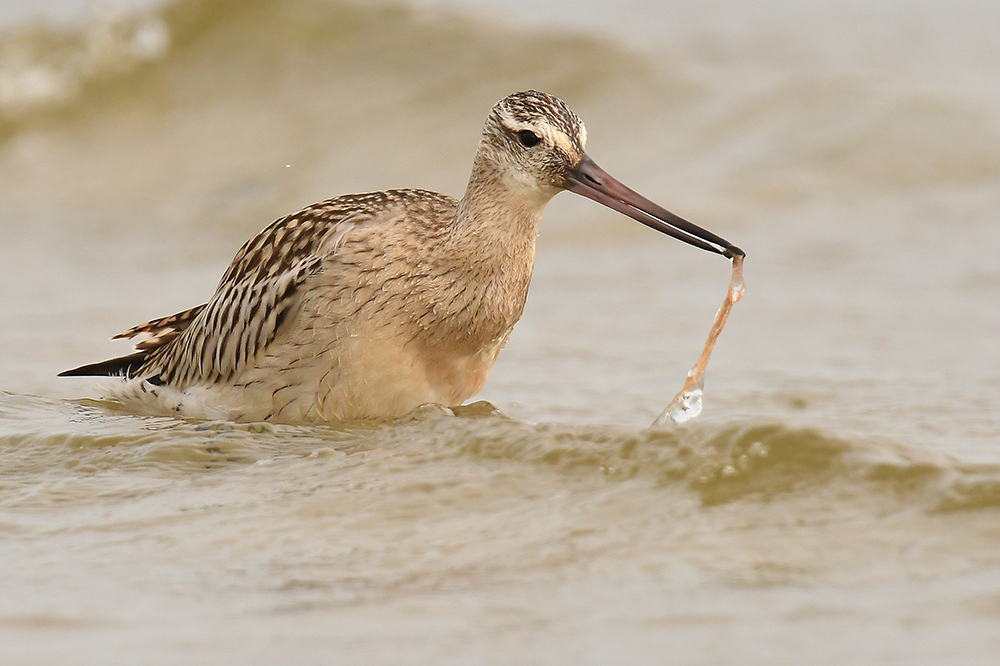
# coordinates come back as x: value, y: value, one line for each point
x: 836, y: 502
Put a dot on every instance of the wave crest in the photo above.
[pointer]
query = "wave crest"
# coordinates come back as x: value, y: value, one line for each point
x: 747, y: 461
x: 732, y: 462
x: 42, y: 68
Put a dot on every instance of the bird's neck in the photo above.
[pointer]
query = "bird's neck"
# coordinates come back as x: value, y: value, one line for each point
x: 494, y: 237
x: 499, y: 215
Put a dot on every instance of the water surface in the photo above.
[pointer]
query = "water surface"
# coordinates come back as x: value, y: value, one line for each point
x: 837, y: 501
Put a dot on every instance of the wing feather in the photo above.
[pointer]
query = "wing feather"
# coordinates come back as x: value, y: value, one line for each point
x: 257, y: 297
x: 162, y: 330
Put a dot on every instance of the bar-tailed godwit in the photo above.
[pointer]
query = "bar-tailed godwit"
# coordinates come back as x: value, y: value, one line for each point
x: 369, y: 305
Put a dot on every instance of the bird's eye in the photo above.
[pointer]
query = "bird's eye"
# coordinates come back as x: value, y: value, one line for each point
x: 527, y: 138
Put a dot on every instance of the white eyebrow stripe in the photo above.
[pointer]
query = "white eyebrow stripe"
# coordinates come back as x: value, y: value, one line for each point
x: 557, y: 137
x: 563, y: 142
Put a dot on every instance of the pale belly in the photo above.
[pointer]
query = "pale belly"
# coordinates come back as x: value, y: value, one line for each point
x: 357, y: 378
x: 365, y: 378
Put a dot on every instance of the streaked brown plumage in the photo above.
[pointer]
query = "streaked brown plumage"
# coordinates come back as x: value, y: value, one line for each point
x: 369, y: 305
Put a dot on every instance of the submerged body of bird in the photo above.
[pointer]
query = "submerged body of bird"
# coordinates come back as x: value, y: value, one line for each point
x: 369, y: 305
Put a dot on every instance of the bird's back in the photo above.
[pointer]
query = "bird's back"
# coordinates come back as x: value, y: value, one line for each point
x: 354, y: 307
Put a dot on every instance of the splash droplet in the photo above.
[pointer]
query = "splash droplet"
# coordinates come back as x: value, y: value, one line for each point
x: 688, y: 404
x: 685, y: 406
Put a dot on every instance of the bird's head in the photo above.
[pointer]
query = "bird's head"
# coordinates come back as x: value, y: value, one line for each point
x: 536, y: 144
x: 535, y: 140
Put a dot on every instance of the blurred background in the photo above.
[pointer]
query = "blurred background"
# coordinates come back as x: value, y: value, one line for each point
x: 852, y: 148
x: 836, y: 500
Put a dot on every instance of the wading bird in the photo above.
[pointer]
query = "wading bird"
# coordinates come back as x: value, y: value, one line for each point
x: 367, y: 306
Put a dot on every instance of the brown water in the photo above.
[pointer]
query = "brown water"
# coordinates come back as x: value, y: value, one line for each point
x: 837, y: 502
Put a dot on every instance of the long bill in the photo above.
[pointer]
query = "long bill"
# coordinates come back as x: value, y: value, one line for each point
x: 589, y: 180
